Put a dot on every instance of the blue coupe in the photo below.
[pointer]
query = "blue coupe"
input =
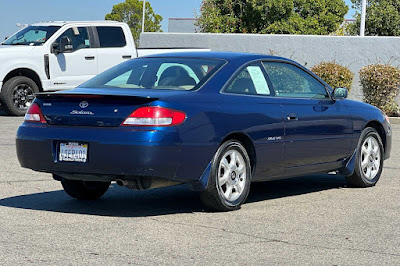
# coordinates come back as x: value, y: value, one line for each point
x: 214, y: 121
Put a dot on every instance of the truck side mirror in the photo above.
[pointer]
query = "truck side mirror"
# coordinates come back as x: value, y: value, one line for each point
x: 55, y: 48
x: 65, y: 45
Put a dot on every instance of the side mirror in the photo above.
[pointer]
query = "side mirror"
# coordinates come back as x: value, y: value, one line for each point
x: 339, y: 94
x: 5, y: 38
x: 65, y: 46
x: 55, y: 48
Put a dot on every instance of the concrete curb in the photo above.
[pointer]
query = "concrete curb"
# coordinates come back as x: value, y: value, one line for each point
x: 394, y: 120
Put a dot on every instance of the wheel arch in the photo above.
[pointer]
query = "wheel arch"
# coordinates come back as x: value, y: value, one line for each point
x: 381, y: 131
x: 25, y: 72
x: 248, y: 145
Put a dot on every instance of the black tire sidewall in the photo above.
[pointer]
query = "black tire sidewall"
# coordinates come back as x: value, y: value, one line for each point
x: 229, y: 145
x: 80, y: 190
x: 7, y: 90
x: 365, y: 134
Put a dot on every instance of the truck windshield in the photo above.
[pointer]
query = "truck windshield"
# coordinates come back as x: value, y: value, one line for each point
x: 31, y: 35
x: 157, y: 73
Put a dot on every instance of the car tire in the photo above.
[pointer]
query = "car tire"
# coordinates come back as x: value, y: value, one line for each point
x: 369, y: 160
x: 230, y: 178
x: 17, y: 94
x: 84, y: 190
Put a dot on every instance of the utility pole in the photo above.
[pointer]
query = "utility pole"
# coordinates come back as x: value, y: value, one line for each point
x: 144, y: 13
x: 363, y: 12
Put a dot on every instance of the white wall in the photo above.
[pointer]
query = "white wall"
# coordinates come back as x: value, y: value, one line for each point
x: 353, y: 52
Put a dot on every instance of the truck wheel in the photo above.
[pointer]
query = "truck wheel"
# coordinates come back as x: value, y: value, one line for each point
x: 85, y: 190
x: 369, y: 160
x: 17, y: 95
x: 230, y: 178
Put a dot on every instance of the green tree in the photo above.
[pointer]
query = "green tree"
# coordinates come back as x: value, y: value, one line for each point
x: 382, y: 18
x: 131, y: 12
x: 272, y: 16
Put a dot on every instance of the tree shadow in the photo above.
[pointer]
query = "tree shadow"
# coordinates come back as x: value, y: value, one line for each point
x: 122, y: 202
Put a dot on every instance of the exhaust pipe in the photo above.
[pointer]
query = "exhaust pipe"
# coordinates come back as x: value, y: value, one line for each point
x: 145, y: 183
x: 121, y: 182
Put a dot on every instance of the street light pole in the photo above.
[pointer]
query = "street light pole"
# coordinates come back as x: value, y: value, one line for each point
x: 363, y: 12
x: 144, y: 12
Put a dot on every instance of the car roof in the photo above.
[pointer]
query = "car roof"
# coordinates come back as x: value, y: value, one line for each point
x: 228, y: 56
x: 62, y: 23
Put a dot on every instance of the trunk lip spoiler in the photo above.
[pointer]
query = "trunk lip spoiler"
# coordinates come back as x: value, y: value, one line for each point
x: 52, y: 95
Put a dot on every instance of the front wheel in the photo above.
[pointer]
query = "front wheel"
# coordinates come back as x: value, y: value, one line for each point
x: 85, y: 190
x: 230, y: 178
x: 17, y: 95
x: 369, y: 160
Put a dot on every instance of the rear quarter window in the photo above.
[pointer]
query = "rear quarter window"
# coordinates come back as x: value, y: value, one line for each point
x: 111, y: 37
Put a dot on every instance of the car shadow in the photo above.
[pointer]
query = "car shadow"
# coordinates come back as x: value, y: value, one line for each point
x: 2, y: 112
x: 122, y: 202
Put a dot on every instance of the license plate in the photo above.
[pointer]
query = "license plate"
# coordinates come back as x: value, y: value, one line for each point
x: 73, y: 152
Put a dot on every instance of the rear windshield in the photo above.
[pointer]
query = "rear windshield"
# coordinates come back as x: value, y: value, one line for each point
x: 157, y: 73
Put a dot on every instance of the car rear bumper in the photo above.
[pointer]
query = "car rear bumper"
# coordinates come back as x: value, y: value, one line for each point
x: 113, y: 152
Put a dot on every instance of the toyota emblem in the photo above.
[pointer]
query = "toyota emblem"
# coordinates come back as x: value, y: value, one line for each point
x: 83, y: 104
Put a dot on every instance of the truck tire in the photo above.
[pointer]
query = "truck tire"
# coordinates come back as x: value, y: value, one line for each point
x: 17, y: 95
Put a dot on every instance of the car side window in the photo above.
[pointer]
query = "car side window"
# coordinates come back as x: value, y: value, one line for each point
x: 291, y: 81
x: 79, y: 37
x: 250, y: 81
x: 110, y: 37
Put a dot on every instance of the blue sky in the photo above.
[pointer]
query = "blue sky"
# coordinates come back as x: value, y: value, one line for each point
x: 30, y: 11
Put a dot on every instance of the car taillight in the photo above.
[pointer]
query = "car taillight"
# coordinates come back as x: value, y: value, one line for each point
x: 34, y: 114
x: 154, y: 116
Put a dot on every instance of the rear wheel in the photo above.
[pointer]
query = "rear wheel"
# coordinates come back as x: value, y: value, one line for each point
x: 17, y: 95
x: 230, y: 178
x: 85, y: 190
x: 369, y: 161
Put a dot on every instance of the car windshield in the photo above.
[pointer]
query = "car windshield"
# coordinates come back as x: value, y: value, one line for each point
x: 157, y: 73
x: 31, y: 35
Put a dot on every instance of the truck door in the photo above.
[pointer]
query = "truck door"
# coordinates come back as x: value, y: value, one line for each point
x: 70, y: 69
x: 113, y: 47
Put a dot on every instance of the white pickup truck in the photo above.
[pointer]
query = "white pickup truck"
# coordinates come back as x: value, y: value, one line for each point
x: 50, y: 56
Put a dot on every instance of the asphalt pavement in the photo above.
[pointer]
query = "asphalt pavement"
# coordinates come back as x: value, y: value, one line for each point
x: 307, y: 220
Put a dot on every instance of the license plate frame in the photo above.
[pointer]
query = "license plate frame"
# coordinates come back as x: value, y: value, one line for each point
x: 72, y: 152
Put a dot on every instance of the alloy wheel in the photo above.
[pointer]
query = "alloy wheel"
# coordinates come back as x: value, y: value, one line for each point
x: 231, y: 179
x: 370, y: 158
x: 22, y: 96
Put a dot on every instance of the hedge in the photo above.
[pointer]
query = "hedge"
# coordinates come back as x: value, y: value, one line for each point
x: 335, y: 75
x: 380, y: 84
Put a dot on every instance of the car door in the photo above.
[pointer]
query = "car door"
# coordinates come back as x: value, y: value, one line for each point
x: 253, y: 107
x: 70, y: 69
x: 112, y: 46
x: 318, y: 130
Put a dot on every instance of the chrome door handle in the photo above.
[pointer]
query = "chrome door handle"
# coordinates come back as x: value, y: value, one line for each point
x: 292, y: 117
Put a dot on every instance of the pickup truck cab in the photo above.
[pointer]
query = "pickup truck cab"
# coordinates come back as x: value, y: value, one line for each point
x: 51, y: 56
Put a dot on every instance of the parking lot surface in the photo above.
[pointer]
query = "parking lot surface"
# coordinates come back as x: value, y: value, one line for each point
x: 306, y: 220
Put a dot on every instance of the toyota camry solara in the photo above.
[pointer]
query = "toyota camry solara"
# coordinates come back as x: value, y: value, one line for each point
x: 214, y: 121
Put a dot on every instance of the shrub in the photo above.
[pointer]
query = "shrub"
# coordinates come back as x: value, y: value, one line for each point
x: 334, y: 74
x: 380, y: 83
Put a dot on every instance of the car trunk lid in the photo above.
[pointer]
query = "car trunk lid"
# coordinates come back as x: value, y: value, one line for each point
x: 95, y: 107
